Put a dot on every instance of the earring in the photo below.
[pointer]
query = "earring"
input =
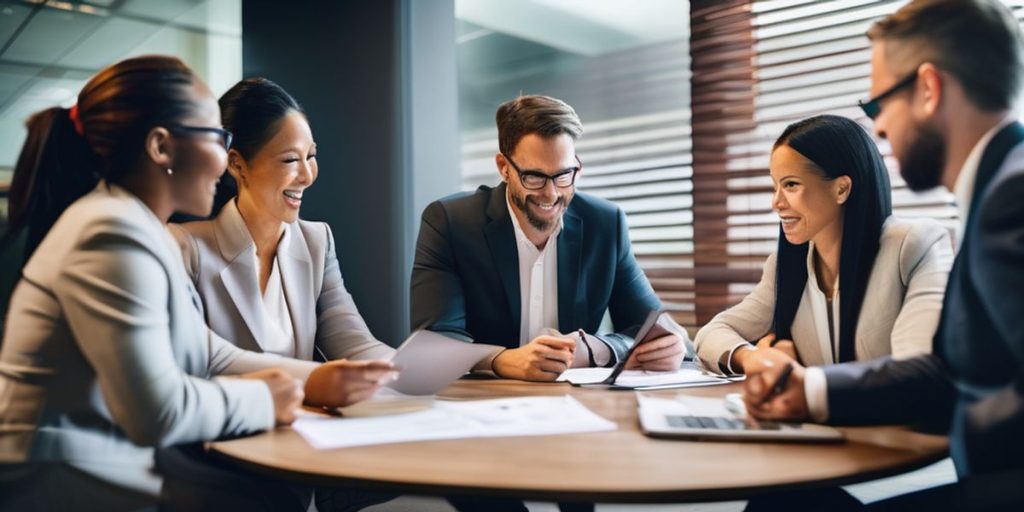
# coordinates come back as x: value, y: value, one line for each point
x: 170, y: 171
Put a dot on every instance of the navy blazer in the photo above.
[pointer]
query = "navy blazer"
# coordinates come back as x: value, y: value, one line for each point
x: 975, y: 377
x: 466, y: 273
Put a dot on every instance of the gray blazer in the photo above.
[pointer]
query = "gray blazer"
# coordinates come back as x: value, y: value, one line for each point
x: 898, y: 317
x: 218, y: 258
x: 106, y: 354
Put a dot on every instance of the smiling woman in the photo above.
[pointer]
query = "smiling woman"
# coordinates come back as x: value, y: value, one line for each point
x: 842, y: 258
x: 105, y: 356
x: 269, y: 281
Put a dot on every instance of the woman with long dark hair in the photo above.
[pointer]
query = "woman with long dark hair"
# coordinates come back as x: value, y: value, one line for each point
x: 106, y: 355
x: 849, y: 281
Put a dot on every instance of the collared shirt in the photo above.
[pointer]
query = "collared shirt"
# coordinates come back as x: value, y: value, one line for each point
x: 963, y: 190
x: 815, y: 384
x: 538, y: 292
x: 826, y: 319
x: 278, y: 333
x: 538, y: 281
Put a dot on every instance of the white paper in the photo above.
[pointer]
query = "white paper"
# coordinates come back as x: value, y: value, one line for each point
x: 520, y: 416
x: 642, y: 379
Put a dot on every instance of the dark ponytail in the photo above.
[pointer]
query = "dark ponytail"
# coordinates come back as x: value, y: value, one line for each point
x: 62, y: 159
x: 55, y: 167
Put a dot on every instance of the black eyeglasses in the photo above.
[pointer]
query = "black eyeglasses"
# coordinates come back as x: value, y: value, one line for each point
x: 873, y: 106
x: 536, y: 180
x: 225, y: 136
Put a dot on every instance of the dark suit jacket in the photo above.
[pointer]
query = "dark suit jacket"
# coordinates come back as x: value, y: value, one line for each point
x: 466, y: 273
x: 975, y: 377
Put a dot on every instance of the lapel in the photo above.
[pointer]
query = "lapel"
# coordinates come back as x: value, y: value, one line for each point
x: 239, y: 276
x: 991, y: 161
x: 297, y: 279
x: 806, y: 334
x: 501, y: 240
x: 570, y: 254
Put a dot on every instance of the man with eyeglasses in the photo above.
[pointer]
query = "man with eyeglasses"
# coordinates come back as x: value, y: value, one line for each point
x: 945, y: 75
x: 532, y: 265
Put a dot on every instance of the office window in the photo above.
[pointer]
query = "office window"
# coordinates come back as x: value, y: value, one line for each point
x: 50, y: 48
x: 759, y: 66
x: 625, y: 68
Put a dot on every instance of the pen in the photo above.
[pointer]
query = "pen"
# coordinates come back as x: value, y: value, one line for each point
x: 780, y: 383
x: 590, y: 351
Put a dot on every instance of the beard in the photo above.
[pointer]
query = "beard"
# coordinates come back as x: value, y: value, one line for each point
x: 521, y: 204
x: 924, y: 161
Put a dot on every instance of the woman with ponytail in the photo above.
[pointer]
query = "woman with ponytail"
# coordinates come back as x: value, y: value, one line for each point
x: 849, y: 281
x: 106, y: 355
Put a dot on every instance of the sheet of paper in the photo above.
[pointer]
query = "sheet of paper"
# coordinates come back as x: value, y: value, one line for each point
x: 684, y: 377
x: 520, y: 416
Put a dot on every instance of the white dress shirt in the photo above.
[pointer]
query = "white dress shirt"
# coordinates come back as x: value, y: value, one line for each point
x: 538, y: 292
x: 277, y: 320
x: 538, y: 281
x: 815, y: 385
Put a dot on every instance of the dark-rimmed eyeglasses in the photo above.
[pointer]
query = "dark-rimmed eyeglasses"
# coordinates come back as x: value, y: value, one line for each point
x: 536, y: 180
x: 225, y: 136
x: 873, y: 106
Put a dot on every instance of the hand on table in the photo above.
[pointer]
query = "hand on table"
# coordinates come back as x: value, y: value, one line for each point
x: 761, y: 400
x: 285, y: 390
x: 542, y: 359
x: 660, y: 354
x: 763, y: 356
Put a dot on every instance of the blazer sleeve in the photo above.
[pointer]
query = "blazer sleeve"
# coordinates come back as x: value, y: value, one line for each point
x: 436, y: 298
x: 995, y: 422
x: 341, y: 331
x: 227, y: 359
x: 749, y: 320
x: 114, y: 293
x: 632, y: 296
x: 918, y: 390
x: 926, y: 257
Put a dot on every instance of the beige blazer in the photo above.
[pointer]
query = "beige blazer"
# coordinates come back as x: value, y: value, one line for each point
x: 899, y: 315
x: 218, y: 256
x: 106, y: 354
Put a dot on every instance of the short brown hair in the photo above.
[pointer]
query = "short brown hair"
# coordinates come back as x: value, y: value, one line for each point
x: 977, y: 41
x: 543, y: 115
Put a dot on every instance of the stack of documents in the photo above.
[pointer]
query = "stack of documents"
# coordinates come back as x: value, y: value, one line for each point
x: 641, y: 379
x: 521, y: 416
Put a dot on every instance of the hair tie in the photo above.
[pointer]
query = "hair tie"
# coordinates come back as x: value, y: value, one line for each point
x: 76, y: 121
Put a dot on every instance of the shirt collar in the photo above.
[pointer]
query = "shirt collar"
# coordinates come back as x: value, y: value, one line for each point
x: 963, y: 190
x: 520, y: 235
x: 812, y: 279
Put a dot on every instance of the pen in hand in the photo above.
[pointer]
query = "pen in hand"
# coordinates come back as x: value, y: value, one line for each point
x: 780, y: 383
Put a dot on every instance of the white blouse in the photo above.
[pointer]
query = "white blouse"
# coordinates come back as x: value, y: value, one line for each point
x: 277, y: 320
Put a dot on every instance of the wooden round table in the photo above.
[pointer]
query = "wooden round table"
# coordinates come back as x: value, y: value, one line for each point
x: 621, y: 466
